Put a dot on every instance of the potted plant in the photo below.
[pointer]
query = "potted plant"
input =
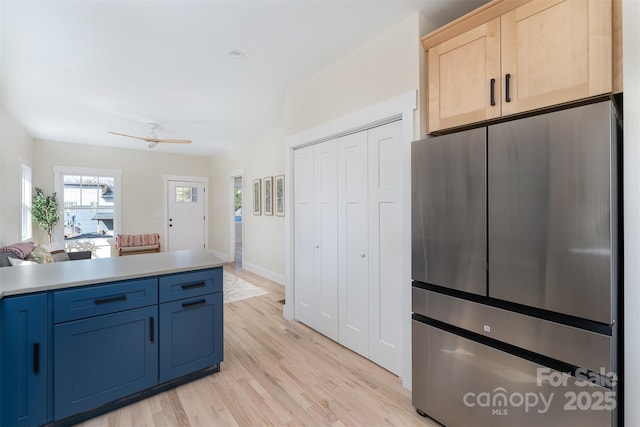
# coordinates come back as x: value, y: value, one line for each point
x: 45, y: 212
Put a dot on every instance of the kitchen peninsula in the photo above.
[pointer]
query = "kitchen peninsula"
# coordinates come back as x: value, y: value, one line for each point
x: 81, y: 338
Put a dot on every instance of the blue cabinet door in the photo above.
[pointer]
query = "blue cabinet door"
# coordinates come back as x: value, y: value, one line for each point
x: 24, y: 349
x: 101, y: 359
x: 190, y: 335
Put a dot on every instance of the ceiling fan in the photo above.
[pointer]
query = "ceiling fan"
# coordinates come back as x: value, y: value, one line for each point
x: 153, y: 140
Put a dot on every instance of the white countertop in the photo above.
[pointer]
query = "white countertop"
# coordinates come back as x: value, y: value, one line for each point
x: 45, y: 277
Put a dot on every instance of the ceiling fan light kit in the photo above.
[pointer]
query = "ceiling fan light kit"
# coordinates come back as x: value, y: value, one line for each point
x: 153, y: 140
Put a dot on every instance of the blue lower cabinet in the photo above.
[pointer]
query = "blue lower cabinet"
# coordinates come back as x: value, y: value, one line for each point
x: 68, y: 352
x: 190, y: 335
x: 24, y: 356
x: 101, y: 359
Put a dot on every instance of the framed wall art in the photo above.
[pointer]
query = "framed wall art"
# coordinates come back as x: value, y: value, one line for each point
x: 268, y: 195
x: 279, y: 195
x: 257, y: 197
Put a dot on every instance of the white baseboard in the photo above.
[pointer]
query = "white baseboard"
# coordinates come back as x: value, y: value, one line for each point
x: 224, y: 257
x: 278, y: 278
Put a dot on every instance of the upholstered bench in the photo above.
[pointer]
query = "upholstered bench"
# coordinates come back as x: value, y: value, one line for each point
x: 131, y: 244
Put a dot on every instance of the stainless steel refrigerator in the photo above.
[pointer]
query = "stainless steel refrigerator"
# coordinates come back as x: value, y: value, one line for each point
x: 515, y: 271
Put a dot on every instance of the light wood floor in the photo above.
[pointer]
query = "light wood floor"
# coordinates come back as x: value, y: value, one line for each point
x: 276, y: 372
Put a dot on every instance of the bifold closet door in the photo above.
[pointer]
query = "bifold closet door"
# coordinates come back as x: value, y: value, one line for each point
x: 316, y: 237
x: 353, y: 246
x: 326, y: 239
x: 349, y: 241
x: 304, y: 234
x: 385, y: 245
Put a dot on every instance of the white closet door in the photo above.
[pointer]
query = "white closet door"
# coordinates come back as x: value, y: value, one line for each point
x: 304, y: 241
x: 353, y: 270
x: 326, y: 238
x: 385, y: 246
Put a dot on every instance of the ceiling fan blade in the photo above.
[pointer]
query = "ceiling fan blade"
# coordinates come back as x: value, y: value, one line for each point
x: 155, y: 140
x: 174, y: 141
x: 131, y: 136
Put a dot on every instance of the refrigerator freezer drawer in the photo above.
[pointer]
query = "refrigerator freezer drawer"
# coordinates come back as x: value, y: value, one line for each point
x: 460, y: 382
x: 555, y: 340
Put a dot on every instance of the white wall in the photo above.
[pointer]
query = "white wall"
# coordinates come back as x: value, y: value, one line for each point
x: 263, y: 235
x: 386, y: 66
x: 15, y: 143
x: 631, y: 17
x: 142, y: 171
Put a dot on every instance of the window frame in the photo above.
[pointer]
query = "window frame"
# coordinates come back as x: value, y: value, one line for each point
x: 26, y: 199
x: 58, y: 185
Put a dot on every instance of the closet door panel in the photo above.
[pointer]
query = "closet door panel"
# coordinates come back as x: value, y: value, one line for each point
x: 304, y: 238
x: 326, y: 238
x: 353, y: 212
x: 385, y: 246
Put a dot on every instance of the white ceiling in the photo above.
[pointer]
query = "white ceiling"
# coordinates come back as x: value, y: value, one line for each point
x: 73, y: 70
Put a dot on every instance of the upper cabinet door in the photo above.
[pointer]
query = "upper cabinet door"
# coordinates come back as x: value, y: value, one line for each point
x: 460, y: 78
x: 555, y: 51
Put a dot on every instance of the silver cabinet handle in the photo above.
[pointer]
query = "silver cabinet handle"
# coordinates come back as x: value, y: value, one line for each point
x: 317, y: 246
x: 362, y: 255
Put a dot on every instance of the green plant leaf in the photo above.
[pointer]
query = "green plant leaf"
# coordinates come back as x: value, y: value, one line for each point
x: 45, y: 211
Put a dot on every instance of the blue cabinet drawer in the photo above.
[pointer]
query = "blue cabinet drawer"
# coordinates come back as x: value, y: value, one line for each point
x: 97, y: 300
x: 186, y: 285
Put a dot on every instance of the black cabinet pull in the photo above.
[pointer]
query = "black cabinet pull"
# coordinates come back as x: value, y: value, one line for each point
x: 194, y: 303
x: 110, y: 299
x: 507, y: 81
x: 193, y: 285
x: 152, y: 332
x: 493, y: 92
x: 36, y: 357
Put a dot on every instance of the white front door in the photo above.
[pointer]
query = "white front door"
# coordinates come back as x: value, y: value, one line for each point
x: 186, y: 215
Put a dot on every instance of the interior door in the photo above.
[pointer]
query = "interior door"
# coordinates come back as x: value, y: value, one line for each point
x: 385, y: 245
x: 353, y: 246
x: 186, y: 208
x: 304, y: 235
x: 326, y: 238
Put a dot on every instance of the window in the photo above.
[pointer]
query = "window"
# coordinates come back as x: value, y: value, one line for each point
x: 186, y: 194
x: 91, y: 214
x: 26, y: 201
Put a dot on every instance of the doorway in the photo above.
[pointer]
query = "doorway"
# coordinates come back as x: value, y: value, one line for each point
x: 186, y: 215
x: 238, y: 214
x: 236, y: 218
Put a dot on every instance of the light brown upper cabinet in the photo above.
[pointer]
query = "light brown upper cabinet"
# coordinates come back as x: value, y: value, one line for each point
x: 462, y: 74
x: 509, y: 57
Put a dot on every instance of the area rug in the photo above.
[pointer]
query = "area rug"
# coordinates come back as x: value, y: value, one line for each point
x: 236, y: 289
